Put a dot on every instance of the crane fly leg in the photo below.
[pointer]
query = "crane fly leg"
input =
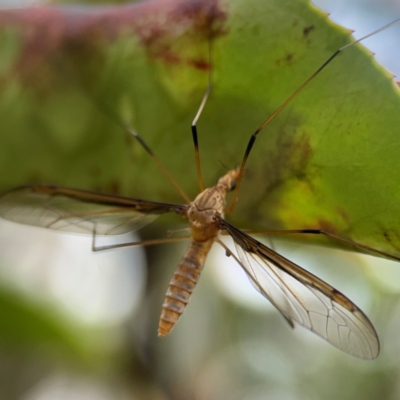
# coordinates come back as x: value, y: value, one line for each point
x: 171, y: 232
x: 196, y: 118
x: 139, y: 243
x: 321, y: 232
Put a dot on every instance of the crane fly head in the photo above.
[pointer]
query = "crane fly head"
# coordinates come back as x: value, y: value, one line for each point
x: 229, y: 180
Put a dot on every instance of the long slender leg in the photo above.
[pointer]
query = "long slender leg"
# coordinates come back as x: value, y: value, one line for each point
x: 133, y: 244
x: 171, y: 232
x: 325, y: 233
x: 286, y: 102
x: 196, y: 118
x: 128, y: 128
x: 104, y: 108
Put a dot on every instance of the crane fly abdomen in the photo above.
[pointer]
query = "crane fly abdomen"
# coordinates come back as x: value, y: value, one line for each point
x: 182, y: 284
x: 204, y: 215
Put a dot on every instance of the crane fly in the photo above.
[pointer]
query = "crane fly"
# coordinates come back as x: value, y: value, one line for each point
x: 298, y: 295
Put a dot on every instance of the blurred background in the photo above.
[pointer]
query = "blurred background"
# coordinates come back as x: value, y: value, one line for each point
x: 83, y: 326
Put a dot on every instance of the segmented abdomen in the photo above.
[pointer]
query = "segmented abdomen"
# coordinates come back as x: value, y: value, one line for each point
x: 182, y: 284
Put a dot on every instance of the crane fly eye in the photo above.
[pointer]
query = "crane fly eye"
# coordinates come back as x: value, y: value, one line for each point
x: 233, y: 185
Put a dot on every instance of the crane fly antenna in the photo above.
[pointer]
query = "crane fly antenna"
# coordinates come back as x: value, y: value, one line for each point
x: 287, y: 101
x: 199, y: 111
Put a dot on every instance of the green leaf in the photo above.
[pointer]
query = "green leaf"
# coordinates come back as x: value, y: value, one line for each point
x: 329, y: 160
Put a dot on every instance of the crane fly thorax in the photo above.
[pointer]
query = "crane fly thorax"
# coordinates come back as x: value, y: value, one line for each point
x: 207, y: 209
x: 204, y: 214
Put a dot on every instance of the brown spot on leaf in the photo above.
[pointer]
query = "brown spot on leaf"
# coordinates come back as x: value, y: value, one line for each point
x: 327, y: 226
x: 193, y: 20
x: 392, y: 237
x: 285, y: 60
x: 288, y: 158
x: 308, y: 29
x: 343, y: 214
x: 55, y: 37
x: 201, y: 65
x: 301, y: 152
x: 114, y: 187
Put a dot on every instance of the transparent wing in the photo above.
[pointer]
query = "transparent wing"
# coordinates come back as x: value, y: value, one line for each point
x: 302, y: 297
x: 80, y: 211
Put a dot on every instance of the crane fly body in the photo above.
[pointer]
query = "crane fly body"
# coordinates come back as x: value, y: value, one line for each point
x: 205, y: 214
x: 298, y: 295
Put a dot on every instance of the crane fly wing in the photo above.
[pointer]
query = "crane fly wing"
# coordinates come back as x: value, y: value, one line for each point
x: 302, y: 297
x: 80, y: 211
